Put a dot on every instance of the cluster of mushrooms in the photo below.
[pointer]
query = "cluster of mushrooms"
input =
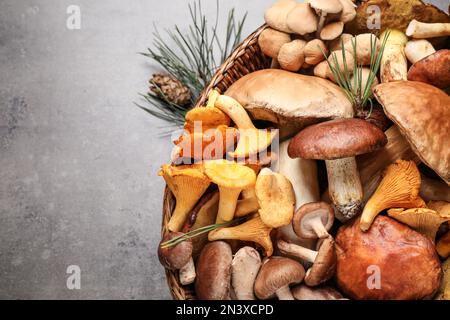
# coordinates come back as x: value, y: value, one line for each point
x: 342, y: 195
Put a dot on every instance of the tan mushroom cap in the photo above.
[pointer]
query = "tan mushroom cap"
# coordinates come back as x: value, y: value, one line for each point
x: 276, y: 15
x: 303, y: 292
x: 313, y: 220
x: 229, y: 174
x: 338, y: 43
x: 291, y: 56
x: 328, y: 6
x: 332, y: 30
x: 364, y: 43
x: 324, y: 266
x: 276, y: 273
x: 314, y: 51
x: 209, y: 117
x: 302, y: 19
x: 270, y: 41
x: 421, y: 112
x: 348, y: 11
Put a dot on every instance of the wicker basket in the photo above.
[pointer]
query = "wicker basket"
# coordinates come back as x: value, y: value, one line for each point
x: 246, y: 58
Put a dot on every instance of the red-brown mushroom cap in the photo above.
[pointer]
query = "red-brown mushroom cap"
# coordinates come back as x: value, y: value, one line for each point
x: 336, y: 139
x: 308, y: 215
x: 434, y: 69
x: 175, y: 257
x: 324, y: 266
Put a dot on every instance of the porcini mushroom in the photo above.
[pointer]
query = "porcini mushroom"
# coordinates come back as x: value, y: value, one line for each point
x: 253, y: 230
x: 416, y: 50
x: 398, y: 189
x: 421, y: 30
x: 313, y: 220
x: 332, y: 30
x: 178, y: 257
x: 275, y: 277
x: 338, y: 142
x: 244, y: 269
x: 231, y: 178
x: 187, y: 184
x: 443, y: 245
x: 276, y: 198
x: 323, y: 260
x: 434, y: 69
x: 251, y: 140
x: 423, y: 220
x: 214, y: 272
x: 303, y: 292
x: 302, y: 19
x: 394, y: 66
x: 270, y: 41
x: 314, y: 51
x: 364, y: 43
x: 276, y: 15
x: 323, y: 8
x: 291, y: 56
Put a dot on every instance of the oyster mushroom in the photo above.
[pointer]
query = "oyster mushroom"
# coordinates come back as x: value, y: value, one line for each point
x: 338, y: 142
x: 253, y: 230
x: 244, y: 269
x: 434, y: 69
x: 231, y: 178
x: 303, y: 292
x: 313, y: 220
x: 416, y: 50
x: 302, y: 20
x: 276, y: 198
x: 323, y: 260
x: 187, y: 184
x: 275, y: 277
x: 398, y: 189
x: 276, y: 15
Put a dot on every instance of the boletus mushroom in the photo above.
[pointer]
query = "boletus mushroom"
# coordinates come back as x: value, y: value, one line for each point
x: 389, y: 262
x: 422, y: 30
x: 303, y: 292
x: 338, y: 142
x: 433, y: 69
x: 323, y: 261
x: 275, y: 277
x: 214, y: 272
x: 244, y: 269
x: 416, y: 50
x: 313, y: 220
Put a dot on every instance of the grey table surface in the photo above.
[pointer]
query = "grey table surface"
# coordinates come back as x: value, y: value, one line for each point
x: 78, y: 161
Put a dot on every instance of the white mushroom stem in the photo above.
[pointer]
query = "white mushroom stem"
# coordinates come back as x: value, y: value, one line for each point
x: 318, y: 227
x: 187, y: 273
x: 345, y: 187
x: 244, y: 269
x: 297, y: 251
x: 416, y: 50
x: 421, y: 30
x: 227, y: 203
x: 284, y: 293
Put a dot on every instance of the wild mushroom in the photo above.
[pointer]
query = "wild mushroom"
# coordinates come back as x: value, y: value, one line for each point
x: 364, y: 43
x: 423, y: 220
x: 421, y: 30
x: 323, y: 8
x: 178, y: 257
x: 332, y: 30
x: 410, y: 105
x: 276, y: 15
x: 394, y: 66
x: 276, y: 198
x: 275, y: 277
x: 291, y: 56
x: 253, y: 230
x: 443, y: 246
x: 322, y: 70
x: 337, y: 44
x: 444, y: 290
x: 363, y: 77
x: 348, y: 11
x: 313, y: 220
x: 248, y: 204
x: 214, y: 272
x: 323, y: 260
x: 432, y: 189
x: 231, y: 178
x: 251, y: 140
x: 314, y: 51
x: 338, y: 142
x: 398, y: 189
x: 302, y: 19
x: 303, y: 292
x: 244, y: 269
x: 441, y: 207
x: 434, y: 69
x: 270, y: 41
x: 416, y: 50
x: 341, y: 60
x: 206, y: 118
x: 187, y: 184
x: 373, y: 265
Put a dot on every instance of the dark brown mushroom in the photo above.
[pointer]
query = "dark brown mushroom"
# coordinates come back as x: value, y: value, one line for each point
x: 434, y: 69
x: 303, y: 292
x: 313, y: 220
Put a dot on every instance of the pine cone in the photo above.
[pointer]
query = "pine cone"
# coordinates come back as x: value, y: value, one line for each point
x: 172, y: 89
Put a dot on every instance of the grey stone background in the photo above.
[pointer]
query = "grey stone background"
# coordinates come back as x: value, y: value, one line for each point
x: 78, y: 160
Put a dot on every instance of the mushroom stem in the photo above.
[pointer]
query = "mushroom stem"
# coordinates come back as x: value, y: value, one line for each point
x: 318, y: 227
x: 284, y: 293
x: 297, y: 251
x: 416, y: 50
x: 345, y: 187
x: 421, y: 30
x: 187, y: 273
x: 248, y: 204
x: 227, y: 204
x: 322, y: 19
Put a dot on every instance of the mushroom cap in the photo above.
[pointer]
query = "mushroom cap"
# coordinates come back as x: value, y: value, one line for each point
x: 336, y: 44
x: 441, y: 207
x: 314, y: 51
x: 348, y: 11
x: 324, y: 265
x: 275, y: 273
x: 175, y: 257
x: 407, y: 261
x: 270, y: 41
x: 303, y: 292
x: 421, y: 112
x: 336, y: 139
x: 434, y: 69
x: 210, y: 117
x: 332, y: 30
x: 365, y: 74
x: 229, y: 174
x: 363, y: 47
x: 276, y: 15
x: 328, y: 6
x: 290, y: 56
x: 302, y: 19
x: 308, y: 211
x: 214, y: 271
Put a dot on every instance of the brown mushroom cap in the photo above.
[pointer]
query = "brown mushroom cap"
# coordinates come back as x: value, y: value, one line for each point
x: 336, y: 139
x: 275, y: 273
x: 303, y: 292
x: 434, y: 69
x: 332, y: 30
x: 407, y: 261
x: 307, y: 213
x: 214, y: 271
x: 276, y: 15
x: 175, y: 257
x: 302, y: 19
x: 324, y: 266
x: 421, y: 112
x: 328, y: 6
x: 271, y: 41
